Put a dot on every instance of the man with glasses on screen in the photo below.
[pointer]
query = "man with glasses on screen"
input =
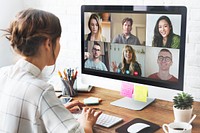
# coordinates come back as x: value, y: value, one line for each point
x: 164, y: 61
x: 95, y: 62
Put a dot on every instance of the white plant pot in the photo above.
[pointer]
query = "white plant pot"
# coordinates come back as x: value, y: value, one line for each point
x: 182, y: 115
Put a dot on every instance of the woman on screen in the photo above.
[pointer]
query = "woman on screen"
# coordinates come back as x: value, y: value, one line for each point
x: 163, y: 34
x: 95, y: 34
x: 129, y: 64
x: 95, y: 28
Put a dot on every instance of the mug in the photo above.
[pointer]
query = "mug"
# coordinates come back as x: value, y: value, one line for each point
x: 177, y: 127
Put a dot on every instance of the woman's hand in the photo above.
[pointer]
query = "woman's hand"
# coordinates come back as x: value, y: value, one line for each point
x: 114, y: 66
x: 74, y: 106
x: 88, y: 118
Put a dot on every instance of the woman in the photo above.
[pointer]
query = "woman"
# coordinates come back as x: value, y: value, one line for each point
x: 129, y: 64
x: 95, y: 34
x: 163, y: 34
x: 95, y: 28
x: 28, y: 103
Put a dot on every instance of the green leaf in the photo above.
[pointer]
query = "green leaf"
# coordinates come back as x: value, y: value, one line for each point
x: 183, y: 101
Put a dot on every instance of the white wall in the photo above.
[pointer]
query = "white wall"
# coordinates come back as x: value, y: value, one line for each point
x: 8, y: 10
x: 70, y: 56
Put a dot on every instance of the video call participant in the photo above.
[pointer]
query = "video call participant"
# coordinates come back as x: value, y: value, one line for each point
x: 95, y: 62
x: 163, y: 34
x: 164, y: 61
x: 126, y: 37
x: 95, y: 28
x: 28, y: 103
x: 95, y: 34
x: 129, y: 65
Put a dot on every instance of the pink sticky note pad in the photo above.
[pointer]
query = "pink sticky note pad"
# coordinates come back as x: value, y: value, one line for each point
x: 127, y: 89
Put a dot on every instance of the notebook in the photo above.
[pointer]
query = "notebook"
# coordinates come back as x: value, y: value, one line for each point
x: 153, y: 127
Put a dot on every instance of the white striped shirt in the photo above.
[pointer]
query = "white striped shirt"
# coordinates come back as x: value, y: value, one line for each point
x: 29, y: 105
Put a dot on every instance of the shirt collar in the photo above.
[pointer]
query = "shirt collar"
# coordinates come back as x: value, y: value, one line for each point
x: 29, y: 67
x: 126, y: 36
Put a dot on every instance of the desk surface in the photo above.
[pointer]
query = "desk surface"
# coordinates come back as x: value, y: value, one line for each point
x: 159, y: 112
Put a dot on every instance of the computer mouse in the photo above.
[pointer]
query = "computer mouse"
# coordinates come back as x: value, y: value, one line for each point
x: 136, y: 127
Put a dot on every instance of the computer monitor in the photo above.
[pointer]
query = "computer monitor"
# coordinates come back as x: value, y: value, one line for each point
x: 153, y: 54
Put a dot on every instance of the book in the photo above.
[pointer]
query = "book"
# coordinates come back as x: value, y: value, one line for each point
x: 153, y: 127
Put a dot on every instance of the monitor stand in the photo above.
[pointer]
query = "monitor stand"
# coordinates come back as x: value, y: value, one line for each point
x: 132, y: 104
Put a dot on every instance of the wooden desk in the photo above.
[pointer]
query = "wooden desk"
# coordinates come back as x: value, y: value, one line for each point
x: 158, y: 112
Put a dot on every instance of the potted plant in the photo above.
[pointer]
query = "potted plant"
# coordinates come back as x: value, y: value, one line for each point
x: 183, y: 107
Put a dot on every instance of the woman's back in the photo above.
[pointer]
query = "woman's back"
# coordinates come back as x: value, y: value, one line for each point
x: 28, y: 101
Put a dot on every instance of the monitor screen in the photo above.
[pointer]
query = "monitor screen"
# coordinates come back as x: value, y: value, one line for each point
x: 141, y: 44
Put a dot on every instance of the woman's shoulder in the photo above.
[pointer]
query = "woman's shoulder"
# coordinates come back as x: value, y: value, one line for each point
x: 39, y: 83
x: 136, y: 63
x: 175, y: 41
x: 5, y: 70
x: 175, y: 36
x: 86, y: 36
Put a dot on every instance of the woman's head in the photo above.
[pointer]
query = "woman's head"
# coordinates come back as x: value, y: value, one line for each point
x: 163, y: 29
x: 30, y: 29
x: 94, y: 25
x: 128, y: 54
x: 128, y: 57
x: 164, y: 26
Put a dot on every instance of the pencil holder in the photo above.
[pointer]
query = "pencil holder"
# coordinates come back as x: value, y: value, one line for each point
x: 68, y: 88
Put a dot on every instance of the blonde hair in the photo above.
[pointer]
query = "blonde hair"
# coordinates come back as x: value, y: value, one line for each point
x: 96, y: 17
x: 133, y: 60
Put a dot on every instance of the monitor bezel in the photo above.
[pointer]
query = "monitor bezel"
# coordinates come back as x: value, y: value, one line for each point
x: 180, y: 10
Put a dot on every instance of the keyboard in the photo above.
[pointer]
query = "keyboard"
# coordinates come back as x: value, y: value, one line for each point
x: 105, y: 120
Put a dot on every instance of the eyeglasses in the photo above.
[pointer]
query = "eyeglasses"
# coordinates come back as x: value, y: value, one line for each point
x: 96, y: 49
x: 167, y: 59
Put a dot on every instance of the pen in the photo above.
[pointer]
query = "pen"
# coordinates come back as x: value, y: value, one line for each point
x: 59, y: 73
x: 69, y: 74
x: 60, y: 96
x: 75, y: 74
x: 65, y: 74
